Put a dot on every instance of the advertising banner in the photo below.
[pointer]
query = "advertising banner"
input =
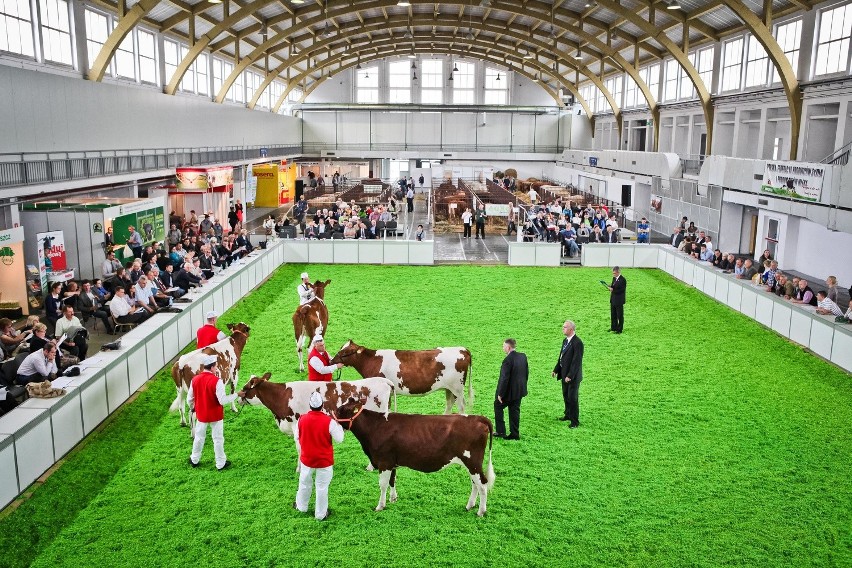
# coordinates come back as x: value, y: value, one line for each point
x: 656, y: 203
x: 266, y: 192
x: 251, y: 185
x: 497, y: 209
x: 220, y: 177
x: 52, y: 249
x: 191, y: 179
x: 796, y: 180
x: 151, y: 224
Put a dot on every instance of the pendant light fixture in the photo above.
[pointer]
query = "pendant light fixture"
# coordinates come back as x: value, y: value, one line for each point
x: 414, y: 77
x: 455, y: 68
x: 451, y: 76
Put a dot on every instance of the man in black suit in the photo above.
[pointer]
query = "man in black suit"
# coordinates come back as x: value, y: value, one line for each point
x: 676, y: 238
x: 569, y: 372
x: 617, y: 299
x: 511, y: 388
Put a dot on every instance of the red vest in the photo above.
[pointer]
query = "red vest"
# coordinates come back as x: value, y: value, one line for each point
x: 313, y: 375
x: 315, y: 440
x: 207, y: 335
x: 207, y: 407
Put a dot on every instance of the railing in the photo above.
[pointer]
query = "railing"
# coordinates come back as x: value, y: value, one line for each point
x: 47, y: 167
x: 310, y: 147
x: 839, y: 157
x: 691, y: 163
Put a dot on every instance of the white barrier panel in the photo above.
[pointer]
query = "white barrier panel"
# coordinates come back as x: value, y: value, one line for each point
x: 841, y: 349
x: 539, y: 254
x: 9, y: 488
x: 645, y: 256
x: 421, y: 252
x: 800, y: 327
x: 66, y: 420
x: 33, y: 442
x: 822, y: 337
x: 709, y: 284
x: 748, y: 302
x: 93, y: 399
x: 722, y: 285
x: 321, y: 252
x: 781, y: 316
x: 621, y: 255
x: 117, y: 384
x: 522, y: 254
x: 348, y: 251
x: 594, y: 255
x: 371, y: 252
x: 345, y: 252
x: 763, y: 310
x: 396, y: 252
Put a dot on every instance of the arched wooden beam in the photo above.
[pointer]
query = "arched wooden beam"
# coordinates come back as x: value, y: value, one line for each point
x: 124, y: 27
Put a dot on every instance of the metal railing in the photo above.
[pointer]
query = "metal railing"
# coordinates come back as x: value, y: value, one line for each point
x: 839, y: 157
x: 31, y: 168
x: 310, y: 147
x: 691, y: 163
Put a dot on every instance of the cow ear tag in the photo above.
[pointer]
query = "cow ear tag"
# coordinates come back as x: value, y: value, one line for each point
x: 360, y: 350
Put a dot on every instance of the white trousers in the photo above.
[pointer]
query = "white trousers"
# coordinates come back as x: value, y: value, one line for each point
x: 218, y: 433
x: 303, y: 495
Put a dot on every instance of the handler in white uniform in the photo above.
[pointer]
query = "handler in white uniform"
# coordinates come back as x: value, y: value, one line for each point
x: 306, y: 292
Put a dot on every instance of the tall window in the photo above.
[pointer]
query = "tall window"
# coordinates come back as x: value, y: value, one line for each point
x: 601, y: 104
x: 147, y: 56
x: 672, y: 75
x: 202, y: 80
x: 757, y: 63
x: 613, y: 85
x: 218, y: 75
x: 187, y: 83
x: 464, y: 83
x: 496, y: 87
x: 253, y: 81
x: 295, y: 95
x: 170, y: 58
x: 588, y: 94
x: 789, y: 38
x: 238, y: 91
x: 704, y: 65
x: 56, y: 31
x: 367, y: 85
x: 16, y: 29
x: 653, y: 79
x: 275, y: 91
x: 835, y: 30
x: 732, y: 65
x: 124, y: 59
x: 399, y: 82
x: 97, y: 32
x: 432, y: 86
x: 686, y: 90
x: 631, y: 94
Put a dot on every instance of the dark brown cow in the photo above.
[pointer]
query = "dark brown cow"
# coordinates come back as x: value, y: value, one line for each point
x: 310, y: 319
x: 415, y: 372
x: 228, y: 351
x: 289, y: 401
x: 422, y: 442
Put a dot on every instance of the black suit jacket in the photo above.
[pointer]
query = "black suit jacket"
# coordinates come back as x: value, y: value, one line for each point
x: 677, y: 240
x: 595, y: 237
x: 612, y: 237
x: 570, y: 363
x: 619, y: 289
x: 514, y: 373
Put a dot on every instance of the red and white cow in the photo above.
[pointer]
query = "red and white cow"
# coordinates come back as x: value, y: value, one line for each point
x: 310, y: 319
x: 422, y: 442
x: 415, y: 372
x: 228, y: 352
x: 289, y: 401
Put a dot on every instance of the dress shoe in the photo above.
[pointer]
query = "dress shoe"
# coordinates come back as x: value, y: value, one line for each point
x: 499, y: 435
x: 192, y: 463
x: 226, y: 466
x: 577, y: 425
x: 618, y: 332
x: 513, y: 437
x: 327, y: 515
x: 563, y: 419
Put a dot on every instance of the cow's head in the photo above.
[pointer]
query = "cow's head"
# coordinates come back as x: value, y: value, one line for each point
x: 344, y: 355
x: 319, y: 288
x: 248, y: 393
x: 347, y: 413
x: 239, y: 327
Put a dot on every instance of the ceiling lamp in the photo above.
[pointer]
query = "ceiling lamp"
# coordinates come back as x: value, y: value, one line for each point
x: 403, y: 3
x: 579, y: 54
x: 591, y: 4
x: 498, y: 77
x: 298, y: 1
x: 367, y: 74
x: 451, y: 77
x: 455, y: 68
x: 215, y: 1
x: 552, y: 32
x: 264, y: 30
x: 411, y: 56
x: 414, y: 77
x: 408, y: 33
x: 413, y: 64
x: 357, y: 67
x: 528, y: 55
x: 673, y: 5
x: 294, y: 51
x: 537, y: 78
x: 485, y: 4
x: 469, y: 34
x: 326, y: 31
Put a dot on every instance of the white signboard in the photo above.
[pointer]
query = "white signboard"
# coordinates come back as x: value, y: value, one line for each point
x: 251, y: 186
x: 497, y: 210
x: 797, y: 180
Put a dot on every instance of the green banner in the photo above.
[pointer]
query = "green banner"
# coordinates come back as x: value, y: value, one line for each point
x: 150, y: 224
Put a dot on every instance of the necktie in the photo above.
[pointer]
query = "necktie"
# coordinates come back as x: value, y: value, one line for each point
x: 564, y: 345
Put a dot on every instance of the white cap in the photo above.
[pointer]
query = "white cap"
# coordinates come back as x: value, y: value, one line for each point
x: 209, y: 360
x: 318, y: 338
x: 304, y: 275
x: 211, y: 315
x: 316, y: 400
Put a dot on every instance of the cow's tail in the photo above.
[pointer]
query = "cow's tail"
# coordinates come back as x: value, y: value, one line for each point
x: 393, y: 393
x: 470, y: 379
x: 490, y: 476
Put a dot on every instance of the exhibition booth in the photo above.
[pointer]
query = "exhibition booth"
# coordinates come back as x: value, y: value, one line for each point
x: 66, y: 239
x: 272, y: 184
x: 14, y: 296
x: 203, y: 190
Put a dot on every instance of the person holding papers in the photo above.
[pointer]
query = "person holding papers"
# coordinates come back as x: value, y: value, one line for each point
x: 122, y: 311
x: 75, y: 334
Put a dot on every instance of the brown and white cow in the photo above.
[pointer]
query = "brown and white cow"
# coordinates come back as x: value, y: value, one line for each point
x: 415, y: 372
x: 422, y: 442
x: 228, y: 352
x: 310, y: 319
x: 289, y: 401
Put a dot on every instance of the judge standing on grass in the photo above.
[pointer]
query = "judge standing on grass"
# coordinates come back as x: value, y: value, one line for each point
x: 207, y: 398
x: 314, y: 433
x: 617, y: 291
x: 511, y: 388
x: 569, y: 372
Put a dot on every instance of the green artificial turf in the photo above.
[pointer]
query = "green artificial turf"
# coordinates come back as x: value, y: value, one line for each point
x: 705, y: 441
